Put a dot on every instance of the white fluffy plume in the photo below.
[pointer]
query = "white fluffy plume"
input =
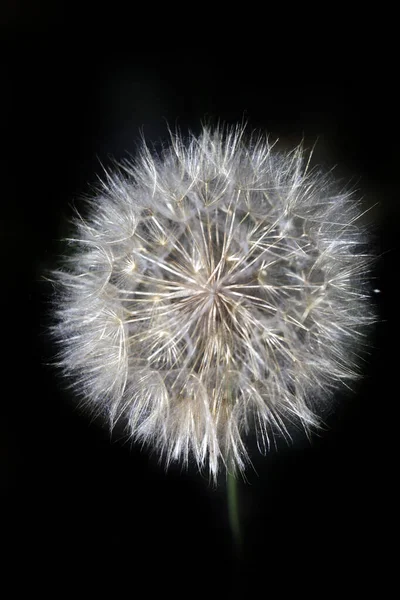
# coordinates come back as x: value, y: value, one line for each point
x: 214, y: 288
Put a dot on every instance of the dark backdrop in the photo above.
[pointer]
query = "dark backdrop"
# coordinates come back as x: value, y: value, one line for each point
x: 80, y: 503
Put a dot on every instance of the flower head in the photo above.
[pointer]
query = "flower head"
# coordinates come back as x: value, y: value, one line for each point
x: 214, y: 289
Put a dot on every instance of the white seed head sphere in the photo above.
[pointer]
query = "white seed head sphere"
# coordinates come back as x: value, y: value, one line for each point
x: 214, y: 288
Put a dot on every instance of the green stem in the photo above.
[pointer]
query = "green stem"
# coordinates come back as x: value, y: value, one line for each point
x: 233, y: 510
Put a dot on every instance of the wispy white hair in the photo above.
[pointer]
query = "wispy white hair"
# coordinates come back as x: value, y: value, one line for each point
x: 215, y: 288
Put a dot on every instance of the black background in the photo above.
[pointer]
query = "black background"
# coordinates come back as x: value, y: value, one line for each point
x: 82, y: 505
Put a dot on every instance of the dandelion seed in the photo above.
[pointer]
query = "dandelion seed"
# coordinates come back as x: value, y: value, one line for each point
x: 216, y: 289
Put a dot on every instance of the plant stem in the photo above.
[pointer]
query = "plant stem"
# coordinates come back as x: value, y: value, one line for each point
x: 233, y: 511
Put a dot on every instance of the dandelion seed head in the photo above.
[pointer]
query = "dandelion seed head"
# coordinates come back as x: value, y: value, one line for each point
x: 215, y: 289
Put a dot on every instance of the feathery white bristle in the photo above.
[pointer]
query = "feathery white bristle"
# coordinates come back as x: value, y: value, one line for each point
x: 212, y: 289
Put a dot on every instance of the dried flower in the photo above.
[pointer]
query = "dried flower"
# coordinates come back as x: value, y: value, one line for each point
x: 216, y: 288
